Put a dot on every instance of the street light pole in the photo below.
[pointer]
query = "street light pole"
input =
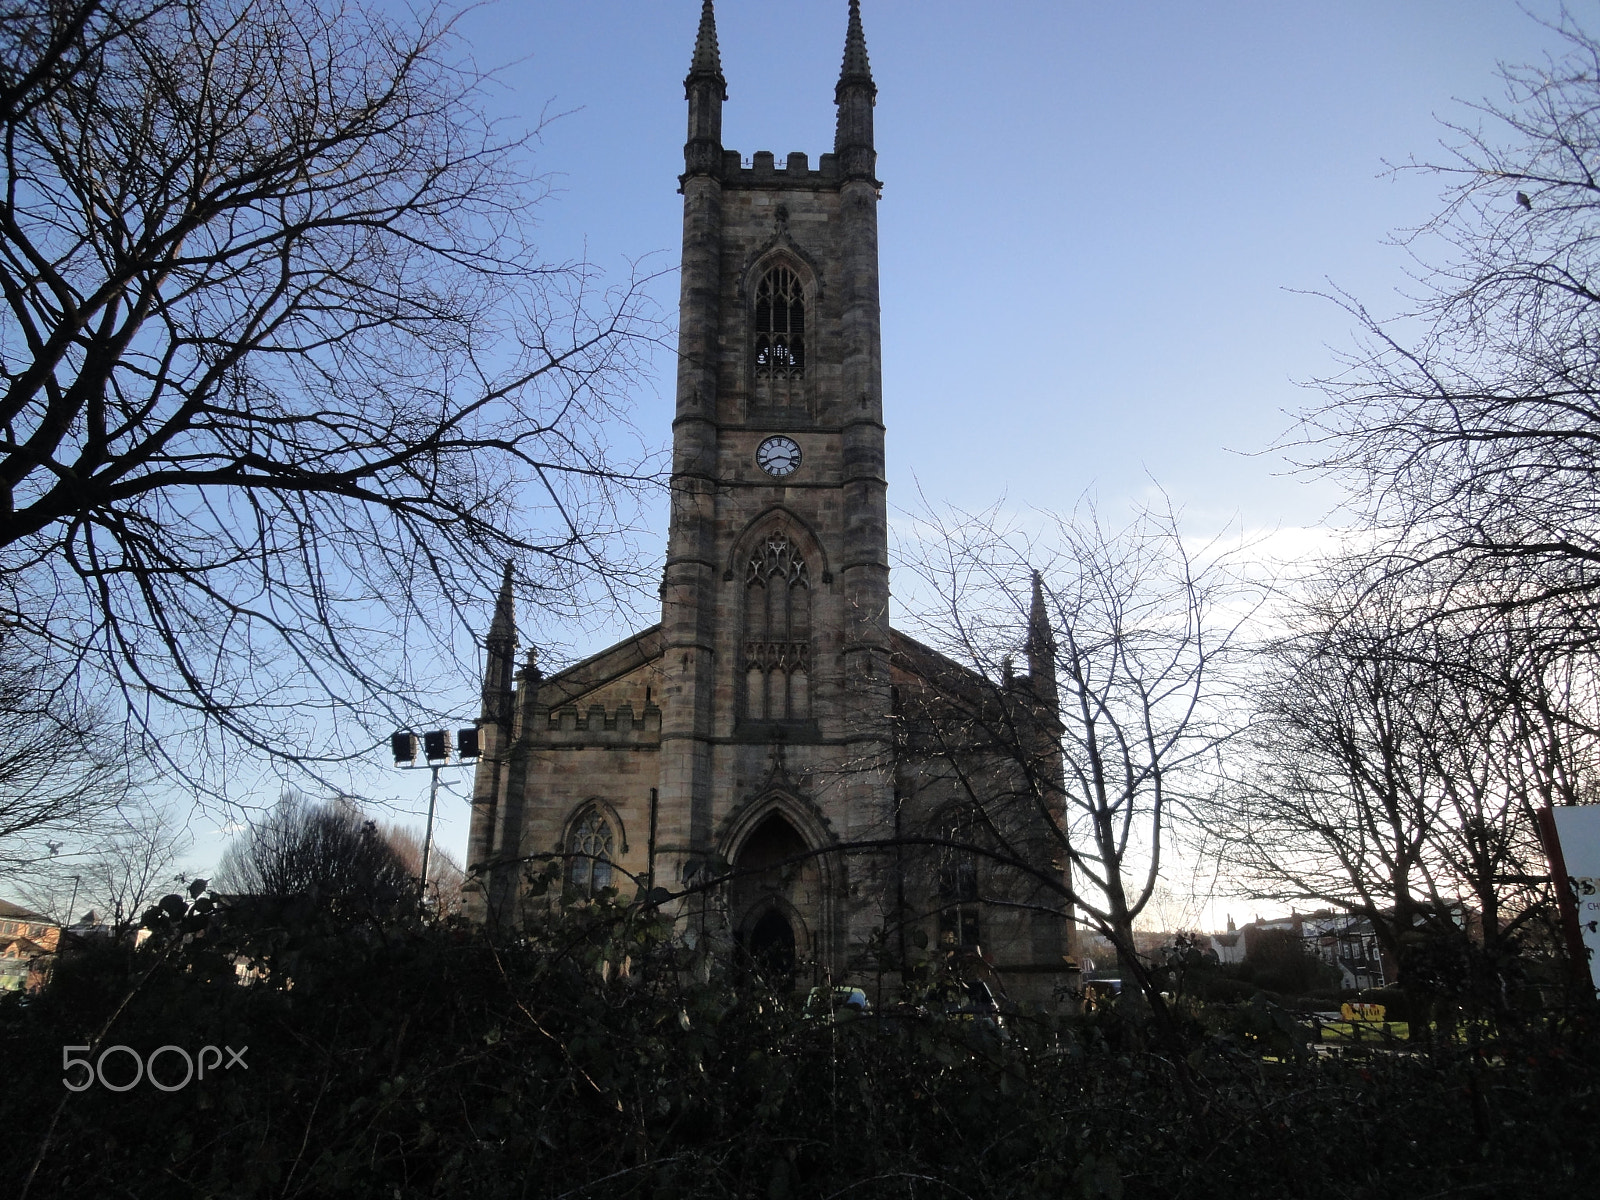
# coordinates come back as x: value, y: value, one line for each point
x: 427, y: 837
x: 436, y: 750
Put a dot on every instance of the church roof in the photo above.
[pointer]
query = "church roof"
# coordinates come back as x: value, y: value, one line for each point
x: 612, y: 663
x: 647, y: 646
x: 939, y: 670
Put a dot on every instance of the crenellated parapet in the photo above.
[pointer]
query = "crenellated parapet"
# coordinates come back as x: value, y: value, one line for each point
x: 573, y: 725
x: 762, y: 169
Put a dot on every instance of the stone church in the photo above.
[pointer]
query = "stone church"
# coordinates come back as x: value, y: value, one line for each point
x: 771, y: 753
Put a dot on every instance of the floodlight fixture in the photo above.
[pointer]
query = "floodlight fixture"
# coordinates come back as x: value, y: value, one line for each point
x: 436, y: 750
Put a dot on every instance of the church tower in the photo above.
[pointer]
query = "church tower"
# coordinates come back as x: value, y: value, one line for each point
x: 775, y: 601
x: 743, y: 755
x: 751, y: 728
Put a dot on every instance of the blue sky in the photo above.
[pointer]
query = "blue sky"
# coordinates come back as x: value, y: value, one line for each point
x: 1099, y: 220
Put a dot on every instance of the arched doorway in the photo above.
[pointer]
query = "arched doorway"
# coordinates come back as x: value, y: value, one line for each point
x: 770, y: 945
x: 775, y: 896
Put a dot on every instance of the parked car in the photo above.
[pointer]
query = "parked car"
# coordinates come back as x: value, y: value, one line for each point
x: 836, y: 1003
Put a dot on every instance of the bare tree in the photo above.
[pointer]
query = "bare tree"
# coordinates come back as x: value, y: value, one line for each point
x: 1499, y: 734
x: 443, y: 894
x: 1394, y: 769
x: 331, y: 850
x: 1469, y: 428
x: 134, y: 866
x: 1331, y: 811
x: 282, y: 379
x: 63, y: 773
x: 1131, y: 638
x: 1170, y: 911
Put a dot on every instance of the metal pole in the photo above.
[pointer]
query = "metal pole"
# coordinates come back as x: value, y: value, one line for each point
x: 427, y: 839
x: 650, y: 875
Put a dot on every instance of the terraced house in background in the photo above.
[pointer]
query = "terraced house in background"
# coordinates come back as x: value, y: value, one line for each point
x: 773, y: 752
x: 27, y: 947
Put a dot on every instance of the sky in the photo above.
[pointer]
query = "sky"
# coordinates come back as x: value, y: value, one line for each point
x: 1101, y: 223
x: 1103, y: 226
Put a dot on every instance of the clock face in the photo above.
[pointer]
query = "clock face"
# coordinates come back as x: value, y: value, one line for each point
x: 778, y: 456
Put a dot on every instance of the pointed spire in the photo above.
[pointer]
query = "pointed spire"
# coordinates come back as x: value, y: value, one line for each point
x: 707, y: 61
x: 1041, y: 637
x: 855, y: 95
x: 503, y: 629
x: 1041, y: 644
x: 705, y: 89
x: 856, y: 68
x: 500, y: 649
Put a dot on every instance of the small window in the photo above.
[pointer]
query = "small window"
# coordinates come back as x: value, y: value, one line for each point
x: 780, y: 326
x: 589, y: 850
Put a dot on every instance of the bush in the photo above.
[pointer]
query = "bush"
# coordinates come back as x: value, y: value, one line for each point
x: 393, y: 1058
x: 1218, y: 988
x: 1397, y: 1004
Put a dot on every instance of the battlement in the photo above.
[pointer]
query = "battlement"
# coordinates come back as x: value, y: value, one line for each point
x: 593, y: 725
x: 762, y: 170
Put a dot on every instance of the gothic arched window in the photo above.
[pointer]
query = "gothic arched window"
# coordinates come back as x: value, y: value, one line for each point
x: 777, y: 632
x: 780, y: 326
x: 590, y: 845
x: 958, y: 880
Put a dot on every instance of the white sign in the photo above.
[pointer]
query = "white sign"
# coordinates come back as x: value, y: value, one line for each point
x: 1579, y: 830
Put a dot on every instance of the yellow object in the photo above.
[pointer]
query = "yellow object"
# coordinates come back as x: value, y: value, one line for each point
x: 1361, y: 1012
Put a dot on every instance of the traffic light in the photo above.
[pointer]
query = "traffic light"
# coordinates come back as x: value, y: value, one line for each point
x: 467, y: 744
x: 404, y: 746
x: 436, y: 745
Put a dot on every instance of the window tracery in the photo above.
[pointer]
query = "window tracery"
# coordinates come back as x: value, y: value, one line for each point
x: 777, y: 632
x: 590, y: 846
x: 780, y: 326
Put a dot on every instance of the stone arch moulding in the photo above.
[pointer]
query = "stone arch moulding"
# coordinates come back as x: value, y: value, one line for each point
x: 607, y: 813
x: 805, y: 941
x: 776, y: 518
x: 783, y: 384
x: 800, y: 812
x: 822, y: 929
x: 780, y: 251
